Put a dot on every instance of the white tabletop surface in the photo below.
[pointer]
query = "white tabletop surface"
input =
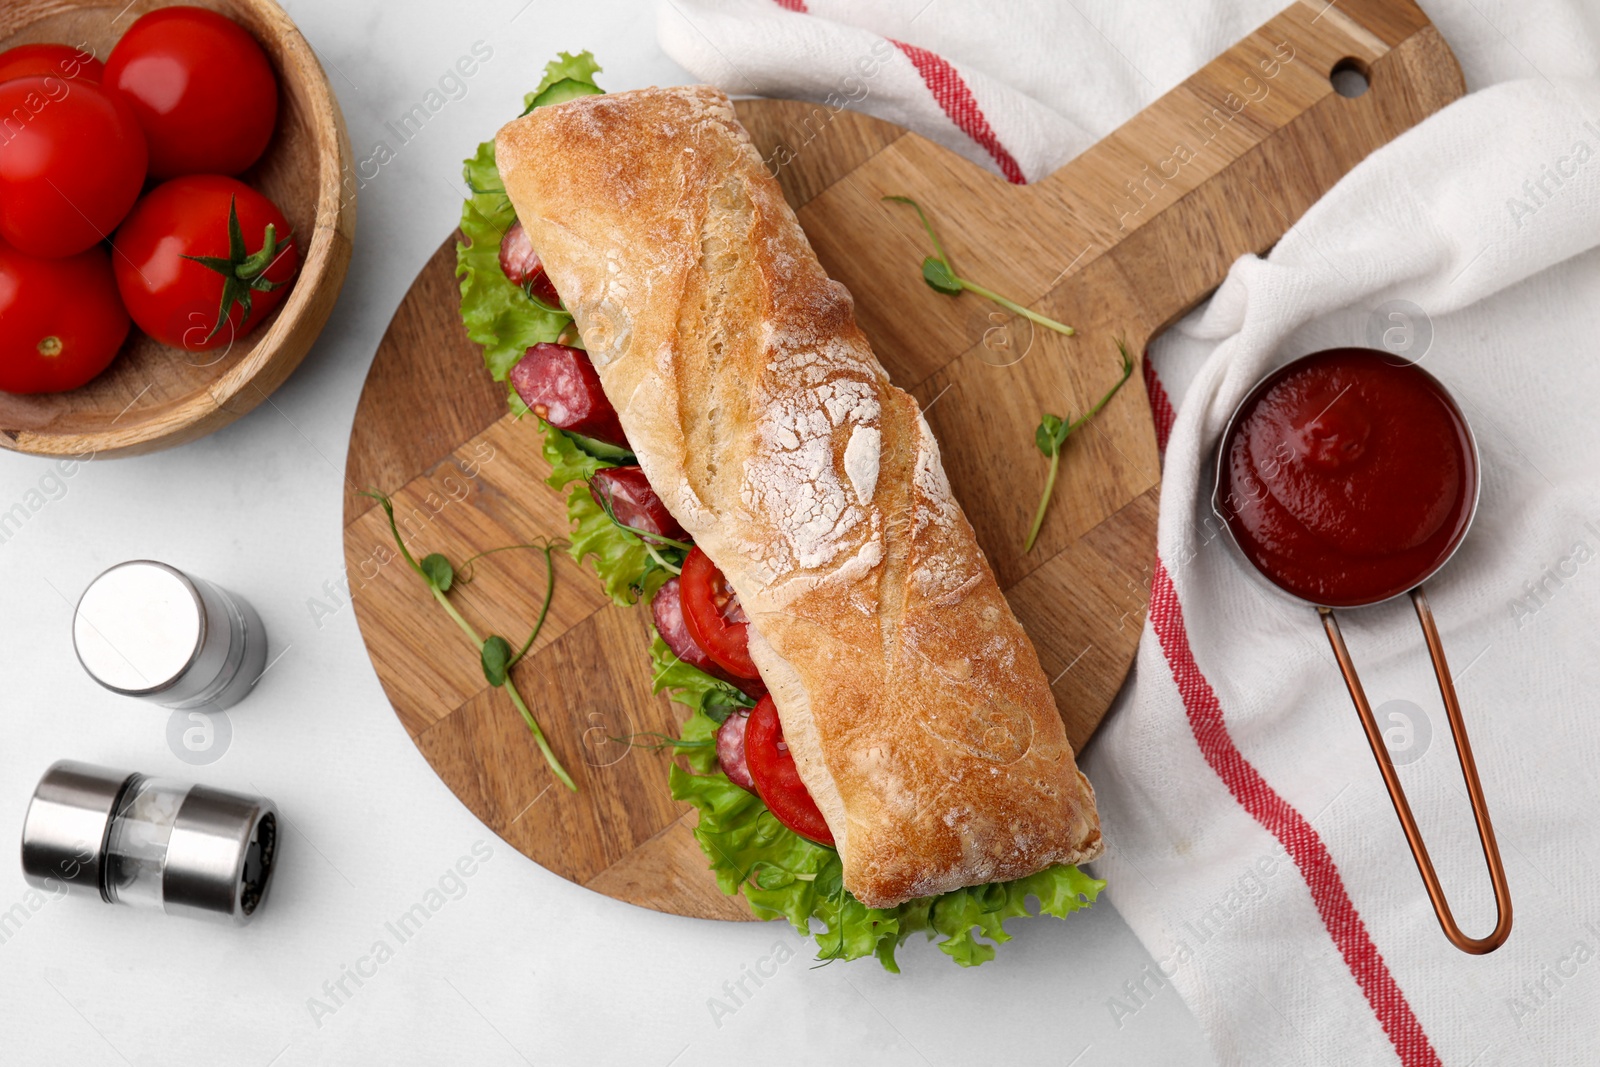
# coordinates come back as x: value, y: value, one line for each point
x: 518, y: 966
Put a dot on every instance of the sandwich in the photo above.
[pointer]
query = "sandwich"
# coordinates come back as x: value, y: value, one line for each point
x: 743, y: 462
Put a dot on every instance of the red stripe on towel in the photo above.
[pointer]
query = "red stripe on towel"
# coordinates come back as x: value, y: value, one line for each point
x: 1160, y: 404
x: 1299, y: 839
x: 953, y: 95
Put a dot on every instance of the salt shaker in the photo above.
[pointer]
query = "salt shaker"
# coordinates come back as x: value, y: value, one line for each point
x: 148, y: 630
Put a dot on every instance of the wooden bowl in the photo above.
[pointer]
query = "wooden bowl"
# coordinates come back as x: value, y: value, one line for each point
x: 153, y: 396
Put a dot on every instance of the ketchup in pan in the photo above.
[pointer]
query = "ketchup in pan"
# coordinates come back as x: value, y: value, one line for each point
x: 1347, y: 477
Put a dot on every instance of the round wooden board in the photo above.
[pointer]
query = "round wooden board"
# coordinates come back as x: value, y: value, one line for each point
x: 432, y: 430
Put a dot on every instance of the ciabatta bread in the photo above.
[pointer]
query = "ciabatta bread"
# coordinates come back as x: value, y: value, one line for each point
x: 914, y: 704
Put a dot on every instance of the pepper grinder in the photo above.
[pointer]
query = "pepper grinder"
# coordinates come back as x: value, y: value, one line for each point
x: 150, y: 842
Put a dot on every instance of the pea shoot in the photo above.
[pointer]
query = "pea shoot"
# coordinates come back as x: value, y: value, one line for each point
x: 495, y: 653
x: 1053, y: 430
x: 1051, y: 435
x: 941, y: 276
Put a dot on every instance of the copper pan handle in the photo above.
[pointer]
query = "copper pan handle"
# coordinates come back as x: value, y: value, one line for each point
x: 1397, y: 794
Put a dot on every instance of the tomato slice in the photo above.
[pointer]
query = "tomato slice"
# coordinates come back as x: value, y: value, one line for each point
x: 716, y: 622
x: 778, y: 783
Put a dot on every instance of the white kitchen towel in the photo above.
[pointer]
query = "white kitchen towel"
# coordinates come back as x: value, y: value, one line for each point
x: 1252, y: 846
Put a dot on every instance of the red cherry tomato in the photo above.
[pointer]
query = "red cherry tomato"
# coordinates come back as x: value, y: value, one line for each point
x: 716, y: 621
x: 50, y: 60
x: 61, y: 321
x: 777, y: 780
x: 201, y: 87
x: 72, y: 160
x: 181, y: 302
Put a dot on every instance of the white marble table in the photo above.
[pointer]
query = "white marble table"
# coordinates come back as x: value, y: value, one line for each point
x: 517, y: 965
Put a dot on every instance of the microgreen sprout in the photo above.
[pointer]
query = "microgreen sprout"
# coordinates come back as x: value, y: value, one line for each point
x: 941, y: 276
x: 494, y: 651
x: 1052, y: 434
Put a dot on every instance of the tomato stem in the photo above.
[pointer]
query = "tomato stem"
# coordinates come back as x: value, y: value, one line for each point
x: 243, y: 272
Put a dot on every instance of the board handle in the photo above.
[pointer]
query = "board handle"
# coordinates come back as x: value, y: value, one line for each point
x: 1225, y: 163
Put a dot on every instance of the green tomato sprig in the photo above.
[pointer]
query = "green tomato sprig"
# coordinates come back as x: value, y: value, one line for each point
x: 1052, y: 434
x: 494, y: 652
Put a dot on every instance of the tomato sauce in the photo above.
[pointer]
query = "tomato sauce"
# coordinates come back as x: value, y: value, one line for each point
x: 1347, y: 477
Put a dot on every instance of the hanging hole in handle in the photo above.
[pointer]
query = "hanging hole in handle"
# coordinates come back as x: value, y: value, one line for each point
x: 1350, y: 77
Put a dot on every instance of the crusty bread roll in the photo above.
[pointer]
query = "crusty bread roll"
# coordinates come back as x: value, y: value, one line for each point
x: 909, y: 694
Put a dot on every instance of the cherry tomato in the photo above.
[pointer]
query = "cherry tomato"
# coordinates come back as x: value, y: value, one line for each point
x: 71, y: 164
x: 201, y: 87
x: 244, y: 274
x: 716, y: 621
x: 50, y: 60
x: 777, y: 779
x: 61, y: 321
x: 523, y: 266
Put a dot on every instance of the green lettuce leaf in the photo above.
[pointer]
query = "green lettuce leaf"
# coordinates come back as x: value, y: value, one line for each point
x: 684, y: 682
x: 566, y: 77
x: 620, y: 558
x: 568, y: 462
x: 498, y: 315
x: 783, y: 875
x: 710, y: 699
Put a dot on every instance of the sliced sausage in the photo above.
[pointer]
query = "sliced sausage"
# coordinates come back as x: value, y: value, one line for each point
x: 627, y: 491
x: 667, y: 610
x: 730, y: 750
x: 560, y: 384
x: 522, y: 265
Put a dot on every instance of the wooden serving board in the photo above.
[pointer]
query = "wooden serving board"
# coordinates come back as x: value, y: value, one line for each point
x: 1120, y: 243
